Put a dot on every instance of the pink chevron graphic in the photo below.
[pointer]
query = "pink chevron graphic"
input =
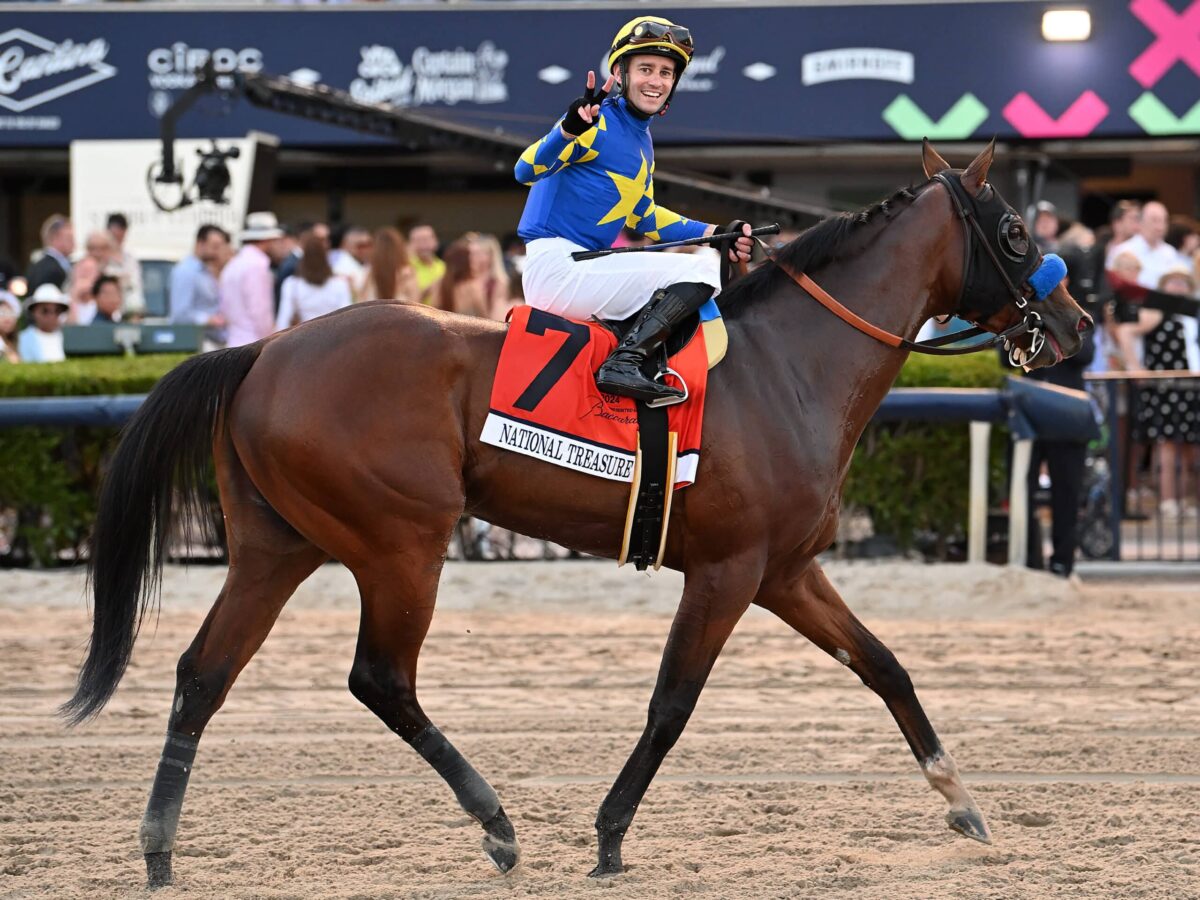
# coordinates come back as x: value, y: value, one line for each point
x: 1080, y: 119
x: 1177, y: 37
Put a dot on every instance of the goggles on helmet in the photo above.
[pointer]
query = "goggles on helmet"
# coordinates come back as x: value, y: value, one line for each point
x: 658, y: 32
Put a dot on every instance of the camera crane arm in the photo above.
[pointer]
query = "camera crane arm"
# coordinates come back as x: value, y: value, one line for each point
x: 416, y: 131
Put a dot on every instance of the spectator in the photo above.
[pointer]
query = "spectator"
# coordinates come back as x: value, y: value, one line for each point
x: 1124, y: 352
x: 10, y: 311
x: 390, y: 275
x: 1064, y: 462
x: 513, y: 249
x: 423, y: 245
x: 1124, y: 221
x: 469, y: 286
x: 1167, y: 412
x: 1149, y: 245
x: 1077, y: 236
x: 53, y: 265
x: 194, y: 297
x: 1183, y: 235
x: 1045, y: 226
x: 287, y: 268
x: 125, y: 266
x: 99, y: 249
x: 42, y: 341
x: 314, y: 290
x: 246, y: 287
x: 489, y: 259
x: 351, y: 262
x: 108, y: 298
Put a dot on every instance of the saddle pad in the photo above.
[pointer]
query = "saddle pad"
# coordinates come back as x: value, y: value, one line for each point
x: 545, y: 402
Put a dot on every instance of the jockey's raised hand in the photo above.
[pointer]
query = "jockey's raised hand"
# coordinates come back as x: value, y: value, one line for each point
x: 583, y: 110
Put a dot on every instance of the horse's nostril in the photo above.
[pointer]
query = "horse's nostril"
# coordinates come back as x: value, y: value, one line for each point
x: 1085, y: 324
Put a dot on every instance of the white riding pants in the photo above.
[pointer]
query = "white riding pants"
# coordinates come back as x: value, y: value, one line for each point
x: 611, y: 287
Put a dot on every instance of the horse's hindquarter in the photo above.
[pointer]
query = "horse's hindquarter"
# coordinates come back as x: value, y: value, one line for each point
x: 356, y: 419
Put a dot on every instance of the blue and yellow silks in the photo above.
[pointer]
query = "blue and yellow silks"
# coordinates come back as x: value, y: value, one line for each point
x: 587, y: 189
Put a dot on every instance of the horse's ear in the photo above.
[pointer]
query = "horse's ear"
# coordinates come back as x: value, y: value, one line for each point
x: 931, y: 159
x: 975, y: 176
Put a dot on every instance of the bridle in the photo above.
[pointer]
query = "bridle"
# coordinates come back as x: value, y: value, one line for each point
x: 1023, y: 262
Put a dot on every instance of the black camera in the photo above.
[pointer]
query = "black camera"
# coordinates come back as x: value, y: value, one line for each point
x: 212, y: 175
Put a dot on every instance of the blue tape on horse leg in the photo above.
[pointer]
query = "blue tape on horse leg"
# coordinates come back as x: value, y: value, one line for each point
x: 474, y: 794
x: 157, y: 834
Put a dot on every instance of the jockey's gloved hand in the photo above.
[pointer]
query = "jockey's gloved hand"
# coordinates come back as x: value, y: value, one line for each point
x: 583, y: 109
x: 739, y: 250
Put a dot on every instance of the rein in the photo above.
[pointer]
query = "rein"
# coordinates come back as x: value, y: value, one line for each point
x: 1031, y: 323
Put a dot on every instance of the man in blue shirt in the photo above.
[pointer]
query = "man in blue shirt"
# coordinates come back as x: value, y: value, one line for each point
x: 194, y: 299
x: 591, y: 176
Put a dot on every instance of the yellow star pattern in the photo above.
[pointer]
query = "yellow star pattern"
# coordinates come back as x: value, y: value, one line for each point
x: 631, y: 191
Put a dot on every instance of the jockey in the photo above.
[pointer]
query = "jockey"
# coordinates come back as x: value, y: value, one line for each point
x: 592, y: 175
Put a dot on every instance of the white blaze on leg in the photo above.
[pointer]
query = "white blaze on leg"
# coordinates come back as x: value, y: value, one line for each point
x: 942, y: 775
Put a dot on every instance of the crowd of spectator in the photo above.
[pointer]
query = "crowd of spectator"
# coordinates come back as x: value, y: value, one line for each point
x: 243, y: 287
x: 1140, y: 273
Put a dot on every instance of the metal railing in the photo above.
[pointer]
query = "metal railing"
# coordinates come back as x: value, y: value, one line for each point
x: 1145, y: 480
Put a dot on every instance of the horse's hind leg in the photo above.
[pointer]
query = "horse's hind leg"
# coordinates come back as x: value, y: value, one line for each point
x: 398, y: 595
x: 811, y: 605
x: 267, y: 560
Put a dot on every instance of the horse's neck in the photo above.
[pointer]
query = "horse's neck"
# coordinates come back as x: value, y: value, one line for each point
x: 895, y: 283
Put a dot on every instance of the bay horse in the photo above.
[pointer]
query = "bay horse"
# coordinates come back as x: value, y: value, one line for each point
x: 354, y: 438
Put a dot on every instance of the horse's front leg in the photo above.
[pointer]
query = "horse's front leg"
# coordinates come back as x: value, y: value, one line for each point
x: 811, y: 605
x: 714, y: 597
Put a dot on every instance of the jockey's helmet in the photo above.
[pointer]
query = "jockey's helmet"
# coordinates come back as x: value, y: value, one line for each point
x: 656, y: 36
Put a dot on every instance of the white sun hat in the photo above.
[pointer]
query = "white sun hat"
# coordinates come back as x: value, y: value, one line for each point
x: 260, y: 226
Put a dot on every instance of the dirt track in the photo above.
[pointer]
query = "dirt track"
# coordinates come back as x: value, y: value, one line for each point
x: 1074, y: 714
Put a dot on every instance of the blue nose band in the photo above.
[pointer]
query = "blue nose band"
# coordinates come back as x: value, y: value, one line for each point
x: 1048, y: 275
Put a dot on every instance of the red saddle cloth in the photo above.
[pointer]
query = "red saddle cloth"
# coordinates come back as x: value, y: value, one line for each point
x: 545, y: 402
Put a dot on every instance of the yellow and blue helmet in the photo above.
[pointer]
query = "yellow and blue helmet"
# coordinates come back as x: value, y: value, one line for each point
x: 656, y: 36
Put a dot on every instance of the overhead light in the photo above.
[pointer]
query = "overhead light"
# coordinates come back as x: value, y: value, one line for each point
x: 1066, y: 25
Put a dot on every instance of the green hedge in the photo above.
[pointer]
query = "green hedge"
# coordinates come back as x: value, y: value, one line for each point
x: 50, y: 475
x: 911, y: 477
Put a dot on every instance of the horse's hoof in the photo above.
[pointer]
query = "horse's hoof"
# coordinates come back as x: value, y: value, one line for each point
x: 504, y: 854
x: 606, y: 871
x: 158, y: 870
x: 969, y: 823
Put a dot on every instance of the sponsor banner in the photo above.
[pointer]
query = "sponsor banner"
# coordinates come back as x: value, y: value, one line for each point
x: 781, y: 73
x: 864, y: 63
x: 171, y: 69
x: 36, y: 70
x: 561, y: 450
x: 431, y: 76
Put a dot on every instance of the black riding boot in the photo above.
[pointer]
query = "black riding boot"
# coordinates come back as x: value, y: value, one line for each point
x: 621, y: 373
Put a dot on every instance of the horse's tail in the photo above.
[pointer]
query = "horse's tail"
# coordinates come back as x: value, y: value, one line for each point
x: 161, y: 461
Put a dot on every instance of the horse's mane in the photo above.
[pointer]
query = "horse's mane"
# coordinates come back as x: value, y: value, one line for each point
x: 829, y: 240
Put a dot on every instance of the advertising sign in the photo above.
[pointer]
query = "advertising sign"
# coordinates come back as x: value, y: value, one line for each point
x: 770, y: 74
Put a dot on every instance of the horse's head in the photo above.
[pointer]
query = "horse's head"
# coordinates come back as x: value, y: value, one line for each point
x: 1005, y: 279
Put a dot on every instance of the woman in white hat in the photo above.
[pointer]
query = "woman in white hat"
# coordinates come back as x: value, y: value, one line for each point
x: 42, y: 341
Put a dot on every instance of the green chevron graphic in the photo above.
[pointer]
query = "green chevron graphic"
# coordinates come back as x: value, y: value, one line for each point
x: 1154, y: 117
x: 960, y: 121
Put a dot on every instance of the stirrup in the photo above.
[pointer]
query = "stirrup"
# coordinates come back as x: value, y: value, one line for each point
x: 668, y: 401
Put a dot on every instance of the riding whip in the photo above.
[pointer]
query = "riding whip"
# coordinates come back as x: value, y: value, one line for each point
x: 581, y: 255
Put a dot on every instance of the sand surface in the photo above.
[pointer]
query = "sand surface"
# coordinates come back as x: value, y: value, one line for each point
x: 1073, y: 712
